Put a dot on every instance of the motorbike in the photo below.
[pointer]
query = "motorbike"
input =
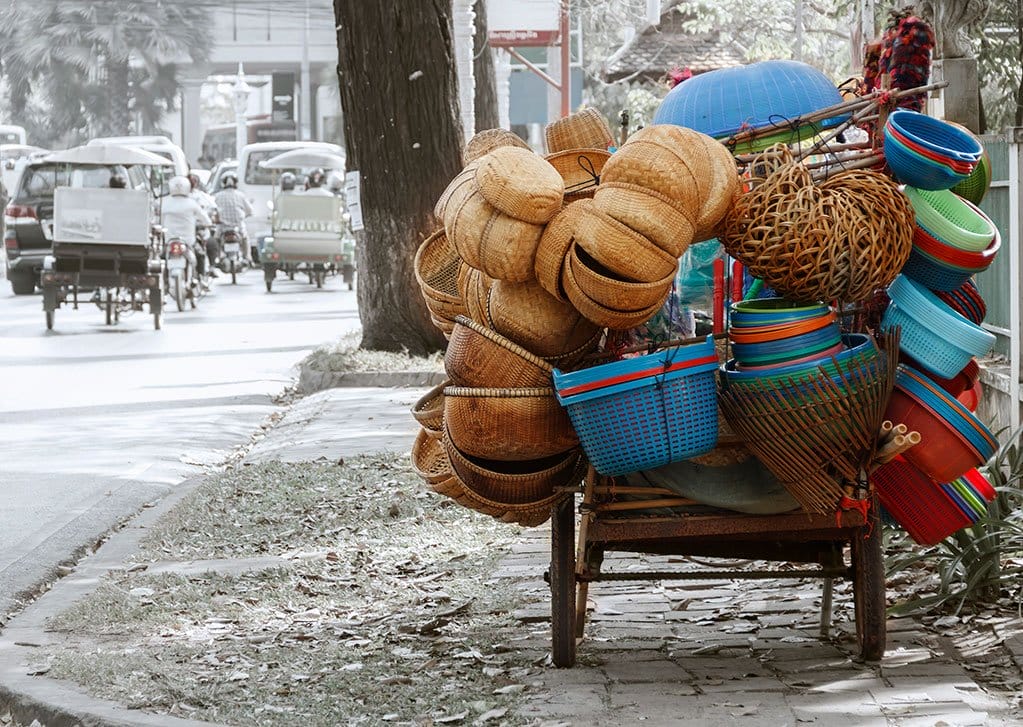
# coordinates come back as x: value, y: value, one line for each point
x: 231, y: 260
x: 183, y: 280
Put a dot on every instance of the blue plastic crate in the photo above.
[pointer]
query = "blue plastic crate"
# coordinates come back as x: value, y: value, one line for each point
x: 649, y: 421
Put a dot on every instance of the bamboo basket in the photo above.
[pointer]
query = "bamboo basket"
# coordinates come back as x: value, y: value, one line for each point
x: 614, y: 293
x: 477, y: 356
x: 648, y: 213
x: 520, y: 184
x: 602, y: 315
x: 554, y: 245
x: 429, y: 409
x: 580, y: 171
x: 507, y: 424
x: 460, y: 185
x: 429, y: 458
x: 531, y: 317
x: 484, y: 142
x: 475, y: 287
x: 667, y: 160
x: 528, y: 516
x: 723, y: 189
x: 625, y: 253
x: 501, y: 246
x: 567, y: 361
x: 585, y: 129
x: 437, y: 266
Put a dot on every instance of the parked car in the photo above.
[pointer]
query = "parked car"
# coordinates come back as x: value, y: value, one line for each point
x: 28, y: 217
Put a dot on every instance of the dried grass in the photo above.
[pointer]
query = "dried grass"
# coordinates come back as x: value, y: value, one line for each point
x: 345, y: 356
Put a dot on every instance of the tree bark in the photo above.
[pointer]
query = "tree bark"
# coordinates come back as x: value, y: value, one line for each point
x: 483, y: 70
x: 399, y: 98
x: 119, y: 118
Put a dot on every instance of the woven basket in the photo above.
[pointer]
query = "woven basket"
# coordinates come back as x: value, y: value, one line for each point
x: 480, y: 357
x: 475, y: 287
x: 602, y: 315
x: 839, y: 240
x: 648, y: 213
x: 580, y: 170
x: 584, y: 129
x: 532, y: 318
x: 466, y: 177
x: 484, y: 142
x: 487, y: 239
x: 723, y: 189
x: 507, y: 424
x: 429, y: 458
x: 429, y: 409
x: 612, y: 293
x: 450, y: 487
x: 520, y: 184
x: 568, y: 360
x: 528, y: 516
x: 437, y: 267
x: 625, y: 253
x: 667, y: 159
x: 554, y: 245
x: 512, y: 483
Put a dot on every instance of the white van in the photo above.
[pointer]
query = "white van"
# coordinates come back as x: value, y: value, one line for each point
x: 157, y: 144
x: 11, y: 134
x: 257, y: 183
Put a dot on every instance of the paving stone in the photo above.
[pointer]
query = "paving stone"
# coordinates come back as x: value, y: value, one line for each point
x: 554, y: 680
x: 932, y: 669
x: 836, y: 709
x: 803, y: 664
x: 713, y: 685
x: 666, y: 672
x: 581, y: 705
x: 946, y: 719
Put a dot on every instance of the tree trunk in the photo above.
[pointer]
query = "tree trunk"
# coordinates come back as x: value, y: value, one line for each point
x: 399, y: 98
x: 483, y: 71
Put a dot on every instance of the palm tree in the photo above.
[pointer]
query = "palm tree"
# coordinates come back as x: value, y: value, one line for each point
x: 99, y: 60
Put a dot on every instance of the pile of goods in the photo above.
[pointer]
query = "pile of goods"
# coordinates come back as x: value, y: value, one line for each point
x: 540, y: 259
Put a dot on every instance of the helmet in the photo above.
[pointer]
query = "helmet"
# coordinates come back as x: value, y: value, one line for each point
x: 229, y: 180
x: 335, y: 183
x: 118, y: 181
x: 193, y: 180
x: 315, y: 178
x: 179, y: 186
x: 287, y: 182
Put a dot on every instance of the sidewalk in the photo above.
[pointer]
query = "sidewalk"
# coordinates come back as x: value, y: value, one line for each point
x: 694, y: 653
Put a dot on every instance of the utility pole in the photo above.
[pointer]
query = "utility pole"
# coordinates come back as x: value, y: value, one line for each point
x: 306, y: 109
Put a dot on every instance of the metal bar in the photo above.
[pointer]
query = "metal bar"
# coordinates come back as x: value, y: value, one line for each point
x: 997, y: 329
x: 566, y: 69
x: 1015, y: 224
x: 711, y: 575
x: 826, y: 607
x: 531, y: 66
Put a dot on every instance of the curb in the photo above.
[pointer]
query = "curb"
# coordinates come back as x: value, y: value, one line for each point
x: 57, y: 703
x: 311, y: 380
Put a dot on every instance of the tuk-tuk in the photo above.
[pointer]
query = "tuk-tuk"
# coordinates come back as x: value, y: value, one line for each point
x: 104, y: 240
x: 308, y: 231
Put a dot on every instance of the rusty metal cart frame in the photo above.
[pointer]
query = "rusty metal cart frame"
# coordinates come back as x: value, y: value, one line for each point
x: 703, y: 531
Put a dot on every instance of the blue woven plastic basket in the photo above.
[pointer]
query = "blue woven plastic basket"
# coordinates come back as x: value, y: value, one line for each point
x: 937, y: 135
x: 932, y: 274
x: 630, y: 417
x: 916, y: 171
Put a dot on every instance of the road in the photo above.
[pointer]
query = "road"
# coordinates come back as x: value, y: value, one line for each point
x: 97, y: 420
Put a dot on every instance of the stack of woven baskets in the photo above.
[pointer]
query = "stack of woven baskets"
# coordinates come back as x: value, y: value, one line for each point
x: 537, y: 256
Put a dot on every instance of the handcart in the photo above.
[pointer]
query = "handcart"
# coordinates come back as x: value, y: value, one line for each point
x: 104, y: 241
x: 606, y: 526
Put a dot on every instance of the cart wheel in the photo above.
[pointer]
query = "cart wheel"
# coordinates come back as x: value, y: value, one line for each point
x: 179, y: 293
x: 351, y: 286
x: 234, y: 273
x: 869, y: 588
x: 320, y: 278
x: 291, y: 275
x: 157, y: 321
x: 49, y: 320
x: 269, y: 285
x: 110, y: 308
x: 563, y: 584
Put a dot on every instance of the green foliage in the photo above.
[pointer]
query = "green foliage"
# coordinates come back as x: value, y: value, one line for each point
x: 978, y: 565
x: 76, y: 67
x: 997, y: 44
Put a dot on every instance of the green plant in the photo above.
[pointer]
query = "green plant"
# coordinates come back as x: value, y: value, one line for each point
x: 978, y: 565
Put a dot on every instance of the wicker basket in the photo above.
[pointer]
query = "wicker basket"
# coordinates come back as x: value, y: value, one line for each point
x: 456, y: 186
x: 480, y: 357
x: 437, y: 267
x: 568, y: 360
x: 512, y: 483
x: 599, y: 314
x: 723, y: 189
x: 532, y: 318
x: 450, y: 487
x: 429, y: 409
x: 611, y: 292
x: 584, y: 129
x: 580, y: 170
x: 554, y: 245
x: 649, y: 213
x: 840, y: 240
x: 528, y: 516
x: 520, y: 184
x: 475, y: 287
x: 429, y: 458
x: 501, y: 246
x: 665, y: 159
x: 507, y: 424
x: 484, y: 142
x: 622, y: 251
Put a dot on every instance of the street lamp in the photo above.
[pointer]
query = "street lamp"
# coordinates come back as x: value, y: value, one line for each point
x: 241, y: 91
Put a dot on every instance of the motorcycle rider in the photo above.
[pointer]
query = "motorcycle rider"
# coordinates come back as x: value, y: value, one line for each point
x: 180, y: 215
x: 209, y: 206
x: 314, y: 184
x: 287, y: 182
x: 234, y: 208
x: 336, y: 184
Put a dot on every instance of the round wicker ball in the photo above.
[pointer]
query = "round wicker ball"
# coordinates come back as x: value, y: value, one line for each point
x: 841, y: 239
x: 531, y: 317
x: 500, y: 245
x: 520, y: 184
